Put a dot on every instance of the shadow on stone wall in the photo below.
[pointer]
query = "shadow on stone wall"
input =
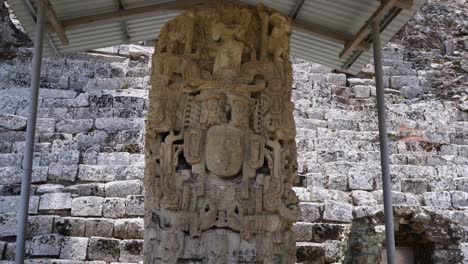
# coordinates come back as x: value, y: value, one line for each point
x: 433, y: 237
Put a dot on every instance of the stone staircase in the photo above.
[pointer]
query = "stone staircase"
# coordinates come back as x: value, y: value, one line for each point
x: 87, y: 194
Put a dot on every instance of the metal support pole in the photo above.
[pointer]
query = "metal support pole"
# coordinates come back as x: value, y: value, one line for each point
x: 30, y: 133
x: 384, y: 159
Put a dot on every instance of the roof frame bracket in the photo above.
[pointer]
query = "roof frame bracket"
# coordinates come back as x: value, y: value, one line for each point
x: 55, y: 22
x: 385, y: 7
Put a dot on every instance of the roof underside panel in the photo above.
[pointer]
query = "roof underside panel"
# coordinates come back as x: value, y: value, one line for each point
x: 345, y: 16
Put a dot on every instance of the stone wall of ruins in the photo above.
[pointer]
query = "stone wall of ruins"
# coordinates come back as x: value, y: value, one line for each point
x: 221, y: 152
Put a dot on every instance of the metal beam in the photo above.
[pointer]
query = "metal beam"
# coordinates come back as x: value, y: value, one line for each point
x: 383, y: 137
x: 123, y: 24
x: 30, y: 134
x: 33, y: 14
x: 297, y: 9
x: 56, y: 24
x: 383, y: 9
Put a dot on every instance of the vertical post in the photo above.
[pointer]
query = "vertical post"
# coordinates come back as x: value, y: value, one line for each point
x: 30, y: 134
x: 384, y: 159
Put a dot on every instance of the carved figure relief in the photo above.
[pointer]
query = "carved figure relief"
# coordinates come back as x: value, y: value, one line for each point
x: 221, y: 155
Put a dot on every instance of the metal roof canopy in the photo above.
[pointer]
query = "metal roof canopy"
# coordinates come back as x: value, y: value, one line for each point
x: 333, y: 33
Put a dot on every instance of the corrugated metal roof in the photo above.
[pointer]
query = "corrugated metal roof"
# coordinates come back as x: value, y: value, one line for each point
x: 345, y: 16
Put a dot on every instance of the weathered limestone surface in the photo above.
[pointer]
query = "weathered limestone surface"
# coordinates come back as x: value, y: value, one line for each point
x: 221, y: 153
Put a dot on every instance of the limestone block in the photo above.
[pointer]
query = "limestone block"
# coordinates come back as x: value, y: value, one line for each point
x: 74, y: 248
x: 106, y: 249
x: 71, y: 157
x: 437, y: 199
x: 303, y: 231
x: 134, y: 205
x: 123, y: 188
x: 99, y: 227
x: 447, y: 256
x: 80, y: 101
x: 398, y: 72
x: 93, y: 112
x: 304, y: 194
x: 131, y: 250
x: 462, y: 184
x: 101, y: 100
x: 363, y: 198
x: 366, y: 210
x: 338, y: 182
x: 400, y: 81
x: 74, y: 126
x: 90, y: 155
x: 87, y: 189
x: 313, y: 253
x: 412, y: 91
x: 337, y: 79
x: 8, y: 224
x: 55, y: 201
x: 12, y: 122
x: 2, y: 247
x: 464, y: 250
x: 96, y: 173
x: 45, y: 125
x: 324, y: 231
x: 362, y: 91
x: 39, y: 225
x: 89, y: 139
x: 310, y: 212
x: 131, y: 228
x: 333, y: 250
x: 361, y: 179
x: 50, y: 188
x: 460, y: 200
x: 416, y: 186
x: 10, y: 160
x: 317, y: 78
x: 45, y: 245
x: 137, y: 159
x: 9, y: 254
x: 462, y: 150
x: 358, y: 81
x: 316, y: 180
x: 10, y: 175
x: 115, y: 158
x: 87, y: 206
x: 135, y: 171
x: 113, y: 207
x: 337, y: 211
x: 10, y: 204
x: 70, y: 226
x: 318, y: 194
x: 129, y: 103
x: 59, y: 172
x: 119, y: 124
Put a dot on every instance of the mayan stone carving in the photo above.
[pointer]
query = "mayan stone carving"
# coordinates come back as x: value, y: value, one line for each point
x: 221, y: 154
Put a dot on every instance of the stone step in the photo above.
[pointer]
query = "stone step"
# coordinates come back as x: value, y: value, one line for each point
x: 310, y: 253
x: 99, y: 84
x: 397, y: 64
x: 390, y: 55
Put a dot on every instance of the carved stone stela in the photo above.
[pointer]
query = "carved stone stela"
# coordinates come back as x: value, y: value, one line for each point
x: 221, y: 152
